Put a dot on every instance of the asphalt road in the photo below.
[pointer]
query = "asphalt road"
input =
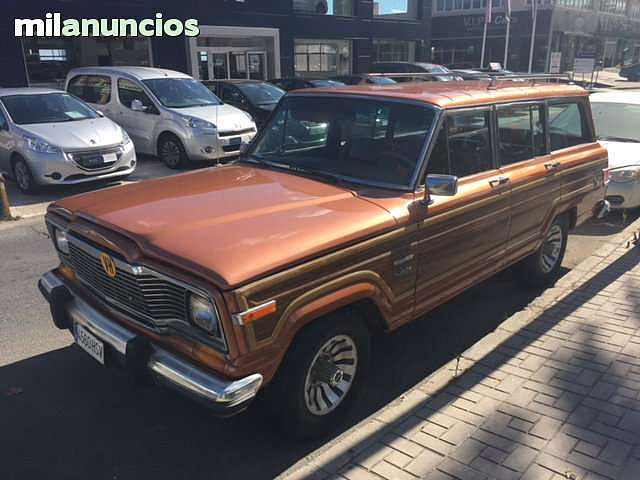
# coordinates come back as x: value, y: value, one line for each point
x: 62, y: 416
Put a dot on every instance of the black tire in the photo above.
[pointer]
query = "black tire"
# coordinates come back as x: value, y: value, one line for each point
x: 23, y: 177
x: 286, y: 395
x: 172, y: 152
x: 542, y: 268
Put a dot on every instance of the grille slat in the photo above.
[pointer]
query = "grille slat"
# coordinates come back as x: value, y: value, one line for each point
x: 150, y: 297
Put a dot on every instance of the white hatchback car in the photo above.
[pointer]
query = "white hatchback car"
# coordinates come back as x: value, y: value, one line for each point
x: 617, y: 118
x: 166, y: 113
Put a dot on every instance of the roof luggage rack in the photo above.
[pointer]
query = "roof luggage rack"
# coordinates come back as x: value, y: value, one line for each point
x: 493, y: 83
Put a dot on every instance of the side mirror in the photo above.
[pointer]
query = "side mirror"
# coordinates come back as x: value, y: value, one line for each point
x: 137, y: 106
x: 445, y: 185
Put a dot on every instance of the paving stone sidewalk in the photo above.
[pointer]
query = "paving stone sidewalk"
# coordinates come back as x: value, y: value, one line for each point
x: 553, y: 393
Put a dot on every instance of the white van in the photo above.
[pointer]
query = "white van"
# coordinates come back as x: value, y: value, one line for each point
x: 166, y: 113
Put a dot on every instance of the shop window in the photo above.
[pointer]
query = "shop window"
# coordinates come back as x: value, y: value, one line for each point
x: 394, y: 51
x: 324, y: 7
x: 520, y: 133
x: 395, y: 9
x: 322, y: 57
x: 52, y: 54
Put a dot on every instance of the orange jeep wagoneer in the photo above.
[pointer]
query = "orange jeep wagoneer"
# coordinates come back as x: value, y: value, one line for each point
x: 355, y: 209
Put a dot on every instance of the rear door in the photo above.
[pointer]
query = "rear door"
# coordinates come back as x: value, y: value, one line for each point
x: 522, y: 146
x: 462, y: 239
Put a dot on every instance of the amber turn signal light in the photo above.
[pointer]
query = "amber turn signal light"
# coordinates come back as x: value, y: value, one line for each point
x: 255, y: 313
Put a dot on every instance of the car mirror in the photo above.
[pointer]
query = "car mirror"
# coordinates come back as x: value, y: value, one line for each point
x: 137, y: 106
x: 445, y: 185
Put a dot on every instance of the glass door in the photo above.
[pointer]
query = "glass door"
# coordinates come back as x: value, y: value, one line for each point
x: 238, y: 65
x: 257, y: 65
x: 220, y: 62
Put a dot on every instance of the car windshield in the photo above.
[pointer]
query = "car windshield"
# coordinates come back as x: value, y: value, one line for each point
x: 616, y: 121
x: 366, y: 141
x: 261, y: 93
x: 46, y: 108
x: 181, y: 92
x: 326, y: 83
x: 380, y: 80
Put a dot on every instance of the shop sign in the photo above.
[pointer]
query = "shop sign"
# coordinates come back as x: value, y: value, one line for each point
x: 584, y: 65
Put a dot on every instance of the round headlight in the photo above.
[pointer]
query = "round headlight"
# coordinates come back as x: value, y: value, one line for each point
x: 203, y: 314
x: 62, y: 242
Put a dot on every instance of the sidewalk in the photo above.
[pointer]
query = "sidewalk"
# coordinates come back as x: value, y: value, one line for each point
x: 553, y: 393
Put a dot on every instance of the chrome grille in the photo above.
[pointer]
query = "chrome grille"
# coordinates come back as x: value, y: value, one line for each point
x: 94, y: 159
x: 151, y: 297
x: 236, y: 133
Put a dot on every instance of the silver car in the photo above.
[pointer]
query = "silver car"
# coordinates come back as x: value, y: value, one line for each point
x: 50, y: 137
x: 166, y: 113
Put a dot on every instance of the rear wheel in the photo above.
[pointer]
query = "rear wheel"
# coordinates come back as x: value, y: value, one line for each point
x: 171, y: 151
x: 543, y: 266
x: 321, y: 376
x: 23, y: 176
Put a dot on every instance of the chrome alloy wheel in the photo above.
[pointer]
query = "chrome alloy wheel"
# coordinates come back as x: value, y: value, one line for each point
x: 23, y: 177
x: 551, y: 249
x: 330, y: 375
x: 170, y: 153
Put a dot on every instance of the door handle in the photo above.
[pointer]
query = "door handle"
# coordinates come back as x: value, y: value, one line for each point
x: 552, y: 165
x: 496, y: 182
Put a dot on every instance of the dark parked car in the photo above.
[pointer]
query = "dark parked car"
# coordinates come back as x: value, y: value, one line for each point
x: 468, y: 74
x: 253, y: 96
x: 440, y: 73
x: 298, y: 83
x: 363, y: 79
x: 631, y: 72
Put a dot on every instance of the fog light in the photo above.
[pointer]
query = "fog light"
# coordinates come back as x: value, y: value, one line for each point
x: 209, y: 149
x: 133, y: 163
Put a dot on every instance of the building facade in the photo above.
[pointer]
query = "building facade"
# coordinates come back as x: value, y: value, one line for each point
x: 259, y: 39
x: 607, y: 30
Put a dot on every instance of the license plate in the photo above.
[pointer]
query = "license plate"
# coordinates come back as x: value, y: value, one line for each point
x: 89, y: 343
x: 109, y: 158
x: 93, y: 162
x: 235, y: 141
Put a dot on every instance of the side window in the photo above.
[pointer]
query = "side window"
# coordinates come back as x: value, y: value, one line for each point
x: 231, y: 94
x: 567, y: 126
x: 94, y: 89
x: 439, y: 158
x: 469, y: 143
x: 129, y: 91
x: 520, y: 132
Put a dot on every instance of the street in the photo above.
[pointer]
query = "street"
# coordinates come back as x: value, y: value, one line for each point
x: 64, y: 416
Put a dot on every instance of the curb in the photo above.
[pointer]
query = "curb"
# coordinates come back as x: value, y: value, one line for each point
x: 349, y: 444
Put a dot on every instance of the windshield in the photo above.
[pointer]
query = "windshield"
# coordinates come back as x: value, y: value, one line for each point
x: 46, y: 108
x: 326, y: 83
x: 616, y: 121
x: 380, y: 80
x: 261, y: 93
x: 181, y: 92
x: 366, y: 141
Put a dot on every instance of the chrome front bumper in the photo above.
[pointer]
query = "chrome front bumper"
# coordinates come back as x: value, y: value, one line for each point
x: 136, y: 353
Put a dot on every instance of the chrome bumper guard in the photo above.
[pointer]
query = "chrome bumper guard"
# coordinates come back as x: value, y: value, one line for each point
x: 134, y: 352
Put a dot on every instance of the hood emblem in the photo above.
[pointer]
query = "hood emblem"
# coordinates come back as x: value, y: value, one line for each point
x: 108, y: 265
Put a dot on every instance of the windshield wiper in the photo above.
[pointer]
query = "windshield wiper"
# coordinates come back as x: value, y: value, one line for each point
x: 301, y: 170
x: 619, y: 139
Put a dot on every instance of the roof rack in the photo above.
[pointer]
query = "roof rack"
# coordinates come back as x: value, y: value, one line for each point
x: 493, y: 82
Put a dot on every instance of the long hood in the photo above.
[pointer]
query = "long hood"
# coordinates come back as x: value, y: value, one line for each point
x: 81, y: 134
x: 236, y: 222
x: 225, y: 117
x: 622, y: 154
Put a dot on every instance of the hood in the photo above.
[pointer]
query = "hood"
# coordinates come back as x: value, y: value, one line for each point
x: 233, y: 223
x: 77, y: 135
x: 622, y: 154
x: 225, y: 117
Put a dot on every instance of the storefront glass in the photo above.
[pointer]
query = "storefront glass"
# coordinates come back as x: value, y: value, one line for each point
x: 324, y: 7
x: 322, y: 58
x: 395, y: 9
x: 394, y: 51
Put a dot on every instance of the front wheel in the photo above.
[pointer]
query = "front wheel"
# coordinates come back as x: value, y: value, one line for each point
x: 542, y: 267
x: 321, y: 376
x: 24, y: 177
x: 171, y: 152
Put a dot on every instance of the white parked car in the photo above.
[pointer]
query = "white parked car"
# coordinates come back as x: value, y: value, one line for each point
x: 48, y: 137
x: 166, y: 113
x: 617, y: 120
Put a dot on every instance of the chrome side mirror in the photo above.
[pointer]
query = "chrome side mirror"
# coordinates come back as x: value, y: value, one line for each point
x: 445, y: 185
x: 137, y: 106
x: 100, y: 113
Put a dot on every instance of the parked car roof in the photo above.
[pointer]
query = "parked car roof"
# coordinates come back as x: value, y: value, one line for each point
x: 459, y: 94
x: 234, y: 80
x: 141, y: 73
x: 4, y: 92
x: 616, y: 97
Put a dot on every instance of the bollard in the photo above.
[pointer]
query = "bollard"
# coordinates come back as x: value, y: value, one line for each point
x: 4, y: 202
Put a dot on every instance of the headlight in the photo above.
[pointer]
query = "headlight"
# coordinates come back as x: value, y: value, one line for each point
x: 198, y: 123
x: 126, y: 139
x: 622, y: 175
x: 40, y: 146
x: 62, y: 242
x: 204, y: 315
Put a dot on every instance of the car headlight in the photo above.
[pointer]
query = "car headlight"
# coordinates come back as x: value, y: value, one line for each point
x: 126, y: 139
x: 199, y: 124
x: 626, y: 174
x: 40, y: 146
x: 61, y: 240
x: 203, y: 314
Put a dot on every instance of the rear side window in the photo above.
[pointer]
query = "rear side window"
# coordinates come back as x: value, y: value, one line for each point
x: 231, y: 94
x: 521, y: 132
x: 129, y: 91
x: 463, y: 146
x: 94, y: 89
x: 567, y: 125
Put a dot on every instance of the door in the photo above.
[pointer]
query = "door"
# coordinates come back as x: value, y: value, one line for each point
x: 139, y: 124
x: 523, y: 158
x: 462, y: 239
x: 257, y: 65
x: 220, y: 65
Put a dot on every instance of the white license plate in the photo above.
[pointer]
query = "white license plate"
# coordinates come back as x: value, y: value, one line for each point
x: 109, y: 158
x: 90, y: 343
